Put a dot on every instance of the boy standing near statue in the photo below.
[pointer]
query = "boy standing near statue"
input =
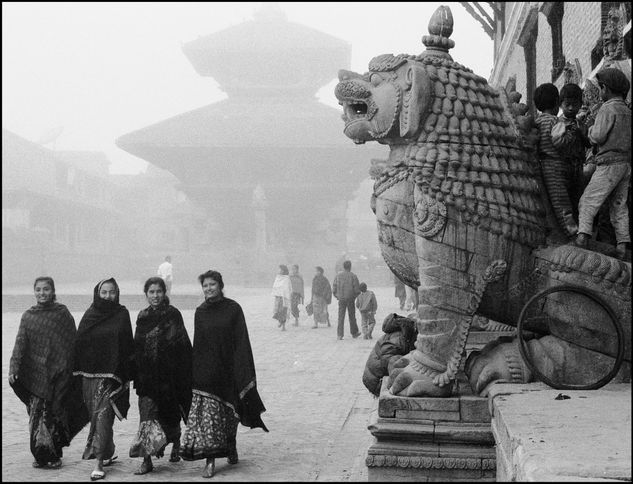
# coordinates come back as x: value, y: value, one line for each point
x: 367, y: 305
x: 611, y: 133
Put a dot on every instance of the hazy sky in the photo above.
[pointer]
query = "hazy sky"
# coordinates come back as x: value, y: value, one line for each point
x: 100, y: 70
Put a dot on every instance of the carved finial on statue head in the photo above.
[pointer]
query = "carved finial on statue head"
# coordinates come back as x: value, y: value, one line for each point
x: 440, y: 29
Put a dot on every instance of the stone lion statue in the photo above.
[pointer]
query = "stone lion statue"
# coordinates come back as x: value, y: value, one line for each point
x: 465, y: 216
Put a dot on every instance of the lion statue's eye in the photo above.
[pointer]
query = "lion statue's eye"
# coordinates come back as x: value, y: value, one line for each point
x: 375, y: 79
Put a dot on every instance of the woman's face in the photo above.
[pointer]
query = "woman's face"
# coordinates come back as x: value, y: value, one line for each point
x: 155, y: 295
x: 108, y: 291
x: 211, y: 288
x: 43, y: 292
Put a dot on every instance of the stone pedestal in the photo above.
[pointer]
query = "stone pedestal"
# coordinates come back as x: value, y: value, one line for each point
x: 432, y: 439
x: 541, y: 436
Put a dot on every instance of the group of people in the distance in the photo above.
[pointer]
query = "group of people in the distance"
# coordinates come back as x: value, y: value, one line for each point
x: 288, y: 294
x: 68, y: 377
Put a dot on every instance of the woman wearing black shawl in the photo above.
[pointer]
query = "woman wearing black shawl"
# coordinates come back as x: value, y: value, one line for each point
x: 104, y: 357
x: 163, y: 376
x: 40, y: 373
x: 224, y: 386
x: 321, y: 297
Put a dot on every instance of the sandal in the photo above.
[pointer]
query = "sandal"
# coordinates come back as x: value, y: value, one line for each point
x: 144, y: 468
x: 37, y: 464
x: 110, y: 461
x: 56, y: 464
x: 96, y: 475
x: 174, y: 457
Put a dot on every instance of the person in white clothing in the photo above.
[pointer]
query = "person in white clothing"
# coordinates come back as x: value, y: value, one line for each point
x: 165, y: 272
x: 282, y: 291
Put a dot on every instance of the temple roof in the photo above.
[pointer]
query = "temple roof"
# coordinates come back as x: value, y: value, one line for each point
x: 269, y: 52
x: 227, y: 123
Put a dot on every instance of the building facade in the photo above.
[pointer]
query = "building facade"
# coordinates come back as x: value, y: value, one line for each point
x: 557, y: 42
x: 65, y: 215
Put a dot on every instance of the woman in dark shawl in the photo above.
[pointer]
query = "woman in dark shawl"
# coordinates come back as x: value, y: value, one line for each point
x: 321, y: 297
x: 104, y: 357
x: 40, y: 373
x: 163, y: 376
x: 224, y: 385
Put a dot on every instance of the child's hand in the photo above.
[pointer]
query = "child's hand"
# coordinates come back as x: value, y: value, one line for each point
x: 588, y: 169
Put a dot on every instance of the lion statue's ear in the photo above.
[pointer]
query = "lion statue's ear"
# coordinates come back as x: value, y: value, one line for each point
x: 416, y: 101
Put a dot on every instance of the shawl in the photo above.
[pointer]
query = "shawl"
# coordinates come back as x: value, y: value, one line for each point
x: 296, y: 283
x: 321, y: 287
x: 163, y: 361
x: 282, y: 286
x: 42, y: 359
x: 223, y: 365
x: 105, y: 346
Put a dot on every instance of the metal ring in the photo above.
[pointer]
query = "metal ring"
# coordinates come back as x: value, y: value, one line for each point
x: 616, y: 323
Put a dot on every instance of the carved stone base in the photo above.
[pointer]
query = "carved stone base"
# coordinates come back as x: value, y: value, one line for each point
x: 432, y: 439
x: 478, y: 339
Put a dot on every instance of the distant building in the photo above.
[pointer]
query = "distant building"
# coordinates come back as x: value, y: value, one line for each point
x: 57, y: 209
x: 557, y: 42
x: 269, y: 168
x: 65, y: 215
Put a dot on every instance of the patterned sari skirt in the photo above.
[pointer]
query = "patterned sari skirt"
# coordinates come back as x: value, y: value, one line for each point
x: 100, y: 444
x: 211, y: 428
x: 48, y: 433
x: 319, y: 307
x: 154, y: 432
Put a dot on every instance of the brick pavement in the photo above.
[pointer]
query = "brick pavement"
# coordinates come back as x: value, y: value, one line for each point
x: 317, y: 407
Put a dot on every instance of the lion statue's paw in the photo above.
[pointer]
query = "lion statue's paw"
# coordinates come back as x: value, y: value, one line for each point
x: 407, y: 380
x: 498, y: 362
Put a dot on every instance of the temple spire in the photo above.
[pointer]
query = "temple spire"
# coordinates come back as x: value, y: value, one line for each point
x: 440, y: 29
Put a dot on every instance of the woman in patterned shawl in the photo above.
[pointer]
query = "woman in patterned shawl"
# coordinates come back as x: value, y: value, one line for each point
x: 321, y: 297
x: 224, y: 386
x: 104, y: 357
x: 163, y: 376
x: 40, y: 373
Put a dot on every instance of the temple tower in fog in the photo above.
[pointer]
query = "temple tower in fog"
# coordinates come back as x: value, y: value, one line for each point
x: 271, y: 160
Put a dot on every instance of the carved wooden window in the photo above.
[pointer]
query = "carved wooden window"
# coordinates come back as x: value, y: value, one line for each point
x: 555, y: 21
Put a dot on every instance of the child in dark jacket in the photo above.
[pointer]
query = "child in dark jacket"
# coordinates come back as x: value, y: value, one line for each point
x: 569, y: 137
x: 398, y: 340
x: 366, y: 303
x: 546, y: 100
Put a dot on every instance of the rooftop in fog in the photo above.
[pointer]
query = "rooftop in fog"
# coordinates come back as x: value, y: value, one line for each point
x: 268, y: 54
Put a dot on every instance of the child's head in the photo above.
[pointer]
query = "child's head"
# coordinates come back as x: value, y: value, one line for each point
x: 362, y: 286
x: 570, y: 100
x: 546, y: 98
x: 613, y: 83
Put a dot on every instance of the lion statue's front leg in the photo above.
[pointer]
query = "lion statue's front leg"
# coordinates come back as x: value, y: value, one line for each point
x: 430, y: 369
x: 423, y: 372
